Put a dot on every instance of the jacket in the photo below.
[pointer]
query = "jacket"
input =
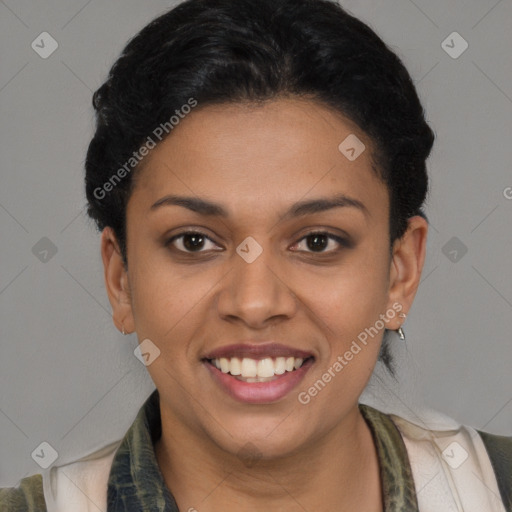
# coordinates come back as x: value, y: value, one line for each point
x: 421, y: 469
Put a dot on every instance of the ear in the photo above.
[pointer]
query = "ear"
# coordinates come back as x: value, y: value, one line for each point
x: 116, y: 282
x: 406, y: 266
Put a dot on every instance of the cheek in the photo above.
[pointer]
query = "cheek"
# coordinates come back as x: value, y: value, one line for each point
x: 353, y: 294
x: 349, y: 307
x: 164, y: 302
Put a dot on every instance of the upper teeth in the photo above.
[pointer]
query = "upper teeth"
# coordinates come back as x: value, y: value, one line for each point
x: 267, y: 367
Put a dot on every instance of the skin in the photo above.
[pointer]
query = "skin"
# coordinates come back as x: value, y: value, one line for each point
x: 256, y: 162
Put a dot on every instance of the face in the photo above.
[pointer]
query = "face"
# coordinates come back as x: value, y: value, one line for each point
x: 254, y: 243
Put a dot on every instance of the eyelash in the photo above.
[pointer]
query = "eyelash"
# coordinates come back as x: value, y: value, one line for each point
x: 344, y: 243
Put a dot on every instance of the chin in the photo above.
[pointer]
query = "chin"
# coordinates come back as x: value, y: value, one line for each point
x: 258, y: 438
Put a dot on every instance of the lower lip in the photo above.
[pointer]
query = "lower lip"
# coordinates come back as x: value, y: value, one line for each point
x: 259, y: 392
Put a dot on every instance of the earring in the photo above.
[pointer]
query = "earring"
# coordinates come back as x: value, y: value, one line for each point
x: 400, y: 331
x: 122, y: 329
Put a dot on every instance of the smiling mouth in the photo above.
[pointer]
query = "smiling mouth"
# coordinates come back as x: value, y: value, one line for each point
x: 258, y: 370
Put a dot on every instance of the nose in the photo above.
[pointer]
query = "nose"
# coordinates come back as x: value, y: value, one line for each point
x: 257, y: 293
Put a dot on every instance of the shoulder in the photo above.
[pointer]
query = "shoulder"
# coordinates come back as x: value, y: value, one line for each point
x: 28, y: 496
x: 488, y: 455
x: 499, y: 449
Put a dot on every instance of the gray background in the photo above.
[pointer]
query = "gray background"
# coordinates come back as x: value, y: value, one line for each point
x: 69, y: 378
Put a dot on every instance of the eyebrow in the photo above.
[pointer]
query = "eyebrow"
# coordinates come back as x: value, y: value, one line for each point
x: 301, y: 208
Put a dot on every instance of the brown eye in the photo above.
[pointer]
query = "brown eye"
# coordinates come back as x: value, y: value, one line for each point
x: 190, y: 241
x: 319, y: 241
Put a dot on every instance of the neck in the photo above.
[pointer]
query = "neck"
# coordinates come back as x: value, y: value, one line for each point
x: 339, y: 471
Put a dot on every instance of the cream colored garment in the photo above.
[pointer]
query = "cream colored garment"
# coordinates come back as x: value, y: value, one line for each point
x: 451, y: 469
x: 80, y: 486
x: 461, y: 480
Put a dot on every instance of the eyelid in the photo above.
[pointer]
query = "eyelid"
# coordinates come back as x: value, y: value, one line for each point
x: 173, y: 238
x: 343, y: 241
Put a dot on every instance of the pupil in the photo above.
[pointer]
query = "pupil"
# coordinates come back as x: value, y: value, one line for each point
x: 315, y: 243
x: 193, y: 241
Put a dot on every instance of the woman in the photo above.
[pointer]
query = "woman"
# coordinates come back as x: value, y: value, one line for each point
x: 258, y: 174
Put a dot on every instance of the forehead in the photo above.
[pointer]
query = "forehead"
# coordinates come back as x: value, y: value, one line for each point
x: 275, y: 152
